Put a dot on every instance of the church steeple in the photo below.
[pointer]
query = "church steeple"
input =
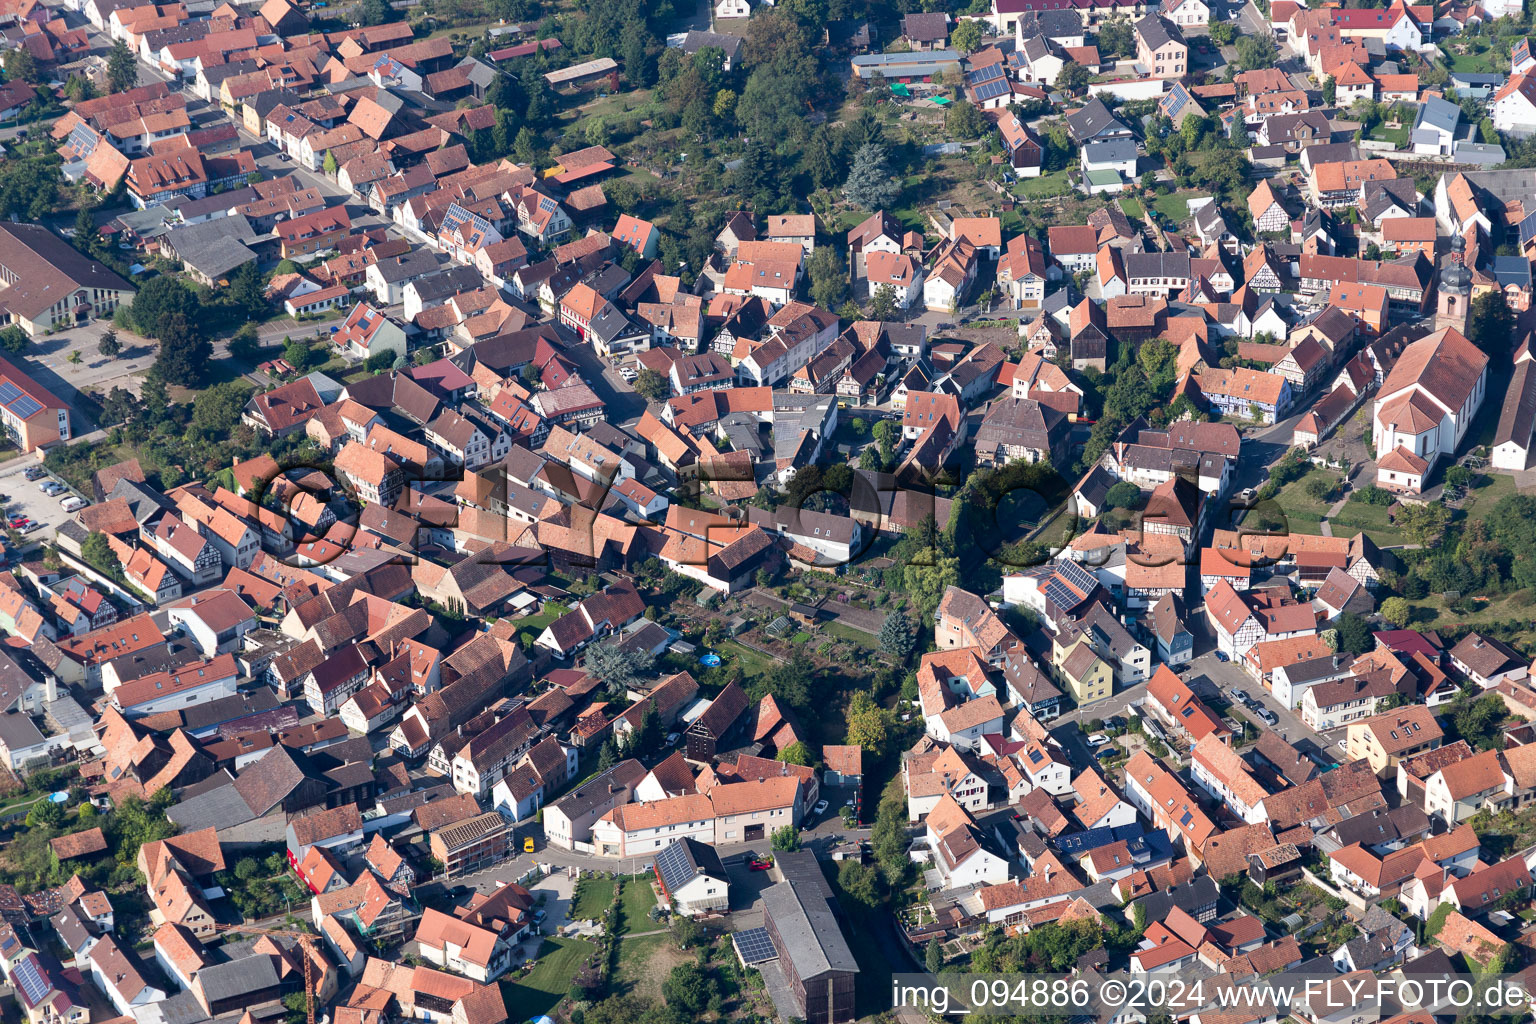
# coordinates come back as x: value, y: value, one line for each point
x: 1454, y: 303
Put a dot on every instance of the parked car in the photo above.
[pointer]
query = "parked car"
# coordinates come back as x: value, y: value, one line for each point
x: 1098, y: 739
x: 34, y: 472
x: 760, y: 864
x: 1241, y: 695
x: 1268, y: 716
x: 1220, y: 656
x: 50, y: 487
x: 1107, y: 753
x: 672, y: 738
x: 74, y: 504
x: 31, y: 527
x: 820, y: 808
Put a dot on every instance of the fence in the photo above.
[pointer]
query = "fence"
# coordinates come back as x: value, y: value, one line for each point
x: 1354, y: 899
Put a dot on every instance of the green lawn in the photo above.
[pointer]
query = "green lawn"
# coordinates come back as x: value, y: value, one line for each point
x: 1174, y: 207
x: 1044, y: 187
x: 1132, y: 207
x: 850, y: 634
x: 637, y: 901
x: 636, y: 954
x: 536, y: 623
x: 540, y: 989
x: 1486, y: 62
x: 1397, y: 136
x: 752, y: 663
x: 593, y: 896
x: 1481, y: 500
x: 1357, y: 515
x: 1301, y: 506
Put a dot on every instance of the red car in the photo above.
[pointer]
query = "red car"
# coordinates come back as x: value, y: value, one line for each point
x: 759, y: 865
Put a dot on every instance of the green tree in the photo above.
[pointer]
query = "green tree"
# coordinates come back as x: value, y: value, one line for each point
x: 927, y: 577
x: 618, y: 667
x: 966, y: 36
x: 122, y: 68
x: 184, y: 351
x: 607, y: 755
x: 870, y: 726
x: 160, y: 298
x: 933, y: 956
x: 1330, y: 89
x: 687, y: 932
x: 1478, y: 720
x: 652, y: 385
x: 1073, y: 78
x: 1354, y: 635
x: 688, y: 989
x: 216, y: 410
x: 21, y: 66
x: 963, y: 121
x: 109, y: 346
x: 1397, y: 611
x: 374, y: 12
x: 45, y: 814
x: 785, y: 839
x: 859, y: 882
x: 97, y: 551
x: 647, y: 738
x: 897, y: 637
x: 829, y: 278
x: 526, y: 148
x: 870, y: 184
x: 1223, y: 33
x: 1123, y: 495
x: 329, y: 165
x: 882, y: 305
x: 248, y: 291
x: 1256, y: 51
x: 1116, y: 38
x: 795, y: 753
x: 1491, y: 324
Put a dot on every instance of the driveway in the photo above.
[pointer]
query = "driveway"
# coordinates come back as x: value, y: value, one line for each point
x: 26, y: 496
x: 1207, y: 674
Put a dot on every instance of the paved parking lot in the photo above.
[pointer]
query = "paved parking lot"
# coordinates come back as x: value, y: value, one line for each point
x: 26, y: 496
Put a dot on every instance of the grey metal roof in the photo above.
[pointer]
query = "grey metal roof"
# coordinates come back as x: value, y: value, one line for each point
x: 1107, y: 151
x: 447, y: 284
x: 17, y: 731
x: 802, y: 913
x: 214, y: 247
x: 223, y: 807
x: 247, y: 976
x: 1519, y: 411
x: 1093, y: 120
x: 181, y: 1008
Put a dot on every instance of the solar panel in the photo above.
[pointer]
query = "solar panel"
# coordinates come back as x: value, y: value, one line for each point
x: 8, y: 392
x: 25, y: 406
x: 1076, y: 575
x: 1059, y: 595
x: 987, y: 90
x: 29, y: 978
x: 674, y: 866
x: 754, y: 946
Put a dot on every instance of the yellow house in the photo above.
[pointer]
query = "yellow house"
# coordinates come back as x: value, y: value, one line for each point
x: 1385, y: 739
x: 1089, y: 676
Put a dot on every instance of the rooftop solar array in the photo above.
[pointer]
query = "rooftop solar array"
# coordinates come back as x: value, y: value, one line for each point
x: 995, y: 87
x: 754, y: 946
x: 1076, y: 575
x: 675, y: 868
x: 29, y: 980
